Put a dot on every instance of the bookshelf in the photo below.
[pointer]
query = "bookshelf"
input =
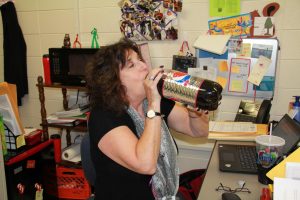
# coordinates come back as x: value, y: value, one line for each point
x: 81, y: 127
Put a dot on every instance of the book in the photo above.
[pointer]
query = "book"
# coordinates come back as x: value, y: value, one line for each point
x: 9, y: 108
x: 212, y: 43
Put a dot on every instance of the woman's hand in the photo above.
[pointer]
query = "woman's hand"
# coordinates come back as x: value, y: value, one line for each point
x: 150, y: 85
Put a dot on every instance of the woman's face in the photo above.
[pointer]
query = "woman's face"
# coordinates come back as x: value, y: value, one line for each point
x: 133, y: 74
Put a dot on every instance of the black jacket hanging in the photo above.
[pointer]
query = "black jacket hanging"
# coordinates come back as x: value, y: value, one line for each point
x: 15, y: 60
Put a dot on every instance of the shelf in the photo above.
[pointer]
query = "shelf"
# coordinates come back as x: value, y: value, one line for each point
x: 63, y: 86
x: 80, y: 127
x: 41, y: 85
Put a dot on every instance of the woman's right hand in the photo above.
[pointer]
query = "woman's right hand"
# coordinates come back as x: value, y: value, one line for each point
x: 150, y: 85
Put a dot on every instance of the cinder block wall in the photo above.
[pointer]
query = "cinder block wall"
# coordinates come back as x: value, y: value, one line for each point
x: 44, y: 23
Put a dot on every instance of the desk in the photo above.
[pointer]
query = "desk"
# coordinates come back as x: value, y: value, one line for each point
x: 214, y: 177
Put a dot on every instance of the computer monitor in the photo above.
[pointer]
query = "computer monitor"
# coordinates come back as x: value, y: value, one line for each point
x: 288, y: 129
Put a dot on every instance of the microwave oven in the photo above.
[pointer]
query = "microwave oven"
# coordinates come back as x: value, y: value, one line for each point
x: 67, y: 65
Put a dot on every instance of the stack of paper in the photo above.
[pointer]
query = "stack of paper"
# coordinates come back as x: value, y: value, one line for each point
x: 212, y: 43
x: 241, y: 131
x: 286, y: 177
x: 69, y: 118
x: 232, y: 127
x: 69, y: 113
x: 286, y: 189
x: 77, y: 112
x: 53, y: 119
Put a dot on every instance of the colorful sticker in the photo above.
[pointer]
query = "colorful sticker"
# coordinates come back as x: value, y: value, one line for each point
x: 267, y: 157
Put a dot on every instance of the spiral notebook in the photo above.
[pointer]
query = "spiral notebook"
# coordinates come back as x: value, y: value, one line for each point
x: 231, y: 157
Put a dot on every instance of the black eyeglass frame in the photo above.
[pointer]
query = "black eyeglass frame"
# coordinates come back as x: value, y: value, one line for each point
x: 221, y: 187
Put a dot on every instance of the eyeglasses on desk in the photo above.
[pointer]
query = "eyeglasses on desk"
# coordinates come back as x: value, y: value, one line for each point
x: 221, y: 187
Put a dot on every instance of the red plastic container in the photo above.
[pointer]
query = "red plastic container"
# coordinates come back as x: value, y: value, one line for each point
x: 57, y: 147
x: 46, y: 64
x: 34, y: 137
x: 71, y: 183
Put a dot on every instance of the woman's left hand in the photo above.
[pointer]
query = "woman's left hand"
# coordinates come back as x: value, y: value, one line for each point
x: 150, y: 85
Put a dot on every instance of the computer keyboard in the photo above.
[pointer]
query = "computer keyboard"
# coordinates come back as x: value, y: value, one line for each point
x: 247, y: 156
x: 244, y: 118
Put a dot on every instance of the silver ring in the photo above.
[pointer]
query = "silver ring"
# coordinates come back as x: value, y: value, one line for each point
x: 151, y: 78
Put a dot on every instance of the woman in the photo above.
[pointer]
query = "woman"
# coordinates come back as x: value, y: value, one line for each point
x: 131, y: 146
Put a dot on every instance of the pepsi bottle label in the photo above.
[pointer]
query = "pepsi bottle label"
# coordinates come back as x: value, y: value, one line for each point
x: 181, y: 87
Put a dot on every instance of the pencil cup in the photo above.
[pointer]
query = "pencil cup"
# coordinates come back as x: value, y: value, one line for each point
x: 269, y: 150
x: 57, y: 147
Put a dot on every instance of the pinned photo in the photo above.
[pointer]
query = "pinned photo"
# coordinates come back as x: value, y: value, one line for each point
x: 261, y: 50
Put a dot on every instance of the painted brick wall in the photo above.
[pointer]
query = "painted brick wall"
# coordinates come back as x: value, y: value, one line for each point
x: 44, y: 23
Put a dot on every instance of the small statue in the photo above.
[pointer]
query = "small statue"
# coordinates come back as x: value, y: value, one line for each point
x: 95, y: 43
x: 67, y: 43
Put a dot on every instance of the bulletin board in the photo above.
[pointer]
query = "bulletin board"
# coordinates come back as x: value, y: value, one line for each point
x: 233, y: 68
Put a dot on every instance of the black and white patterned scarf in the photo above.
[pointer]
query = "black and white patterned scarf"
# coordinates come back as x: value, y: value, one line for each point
x: 165, y: 181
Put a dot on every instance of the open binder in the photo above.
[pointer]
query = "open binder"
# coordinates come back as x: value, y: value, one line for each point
x: 13, y: 128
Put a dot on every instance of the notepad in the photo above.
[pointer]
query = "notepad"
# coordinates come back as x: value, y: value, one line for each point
x: 262, y: 129
x: 232, y: 127
x: 212, y: 43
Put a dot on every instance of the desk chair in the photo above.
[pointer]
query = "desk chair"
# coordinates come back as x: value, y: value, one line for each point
x: 90, y: 173
x: 86, y: 161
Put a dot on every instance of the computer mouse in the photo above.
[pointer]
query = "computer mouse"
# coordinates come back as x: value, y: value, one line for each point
x: 230, y: 196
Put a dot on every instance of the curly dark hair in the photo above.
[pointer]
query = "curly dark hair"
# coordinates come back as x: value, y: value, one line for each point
x: 104, y: 86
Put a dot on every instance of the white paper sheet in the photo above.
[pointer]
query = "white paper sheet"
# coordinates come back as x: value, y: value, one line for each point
x: 212, y: 43
x: 286, y: 189
x: 233, y: 127
x: 259, y: 70
x: 292, y: 170
x: 206, y: 72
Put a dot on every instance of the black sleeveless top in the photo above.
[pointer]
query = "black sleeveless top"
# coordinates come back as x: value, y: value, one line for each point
x: 113, y: 181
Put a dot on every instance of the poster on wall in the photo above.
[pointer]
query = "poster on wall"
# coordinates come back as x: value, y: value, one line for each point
x: 145, y: 20
x: 236, y: 26
x: 238, y: 74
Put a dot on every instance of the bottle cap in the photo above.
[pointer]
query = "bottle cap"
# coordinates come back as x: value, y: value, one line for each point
x: 297, y: 102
